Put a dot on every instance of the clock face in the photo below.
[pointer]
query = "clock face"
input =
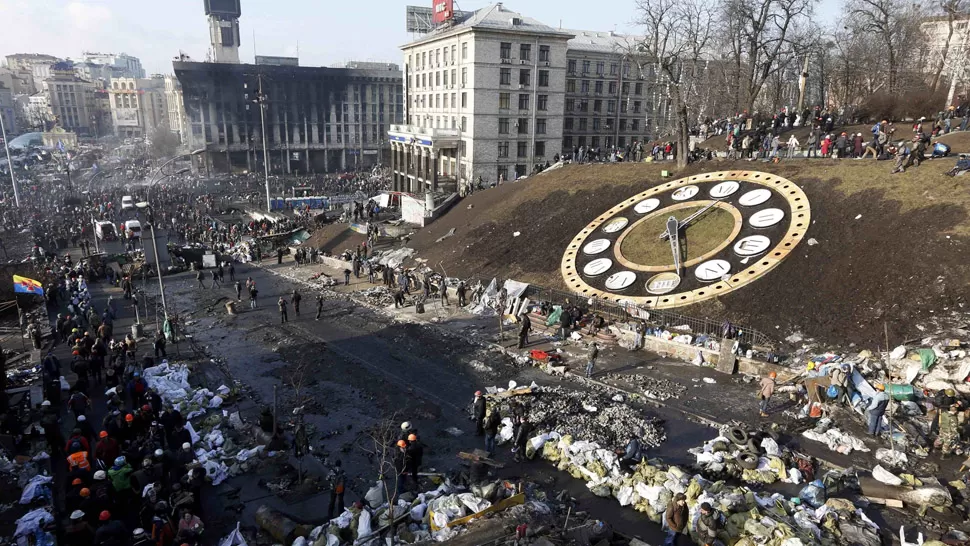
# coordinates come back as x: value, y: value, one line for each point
x: 732, y: 227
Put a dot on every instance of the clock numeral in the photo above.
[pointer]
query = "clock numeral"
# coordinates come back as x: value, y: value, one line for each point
x: 712, y: 270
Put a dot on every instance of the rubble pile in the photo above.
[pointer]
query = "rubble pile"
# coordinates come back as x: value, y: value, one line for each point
x: 651, y: 387
x: 378, y: 296
x: 34, y: 526
x: 587, y: 415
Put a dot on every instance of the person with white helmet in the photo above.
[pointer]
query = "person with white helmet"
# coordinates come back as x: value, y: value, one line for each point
x: 406, y: 430
x: 140, y: 538
x: 78, y: 532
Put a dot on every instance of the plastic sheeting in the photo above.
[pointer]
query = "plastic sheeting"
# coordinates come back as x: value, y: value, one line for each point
x: 36, y: 488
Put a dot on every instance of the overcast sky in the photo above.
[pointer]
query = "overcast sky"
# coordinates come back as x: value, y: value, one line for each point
x: 327, y: 32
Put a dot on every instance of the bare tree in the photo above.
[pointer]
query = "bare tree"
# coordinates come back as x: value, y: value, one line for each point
x: 379, y: 444
x: 765, y: 37
x: 675, y: 41
x: 895, y: 23
x: 952, y: 11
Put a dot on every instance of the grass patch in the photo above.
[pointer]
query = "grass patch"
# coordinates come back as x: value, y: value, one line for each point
x: 643, y: 245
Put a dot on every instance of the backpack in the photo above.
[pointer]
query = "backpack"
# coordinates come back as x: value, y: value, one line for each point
x: 139, y: 387
x: 75, y: 446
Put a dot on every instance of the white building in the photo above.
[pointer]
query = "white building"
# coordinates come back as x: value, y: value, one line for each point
x: 484, y: 98
x: 138, y: 106
x: 956, y: 54
x: 122, y: 65
x: 176, y: 107
x: 38, y: 111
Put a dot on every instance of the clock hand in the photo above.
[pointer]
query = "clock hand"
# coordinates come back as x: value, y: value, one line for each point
x: 674, y: 229
x: 690, y: 219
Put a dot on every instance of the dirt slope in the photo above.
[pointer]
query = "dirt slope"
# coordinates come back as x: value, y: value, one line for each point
x: 904, y: 262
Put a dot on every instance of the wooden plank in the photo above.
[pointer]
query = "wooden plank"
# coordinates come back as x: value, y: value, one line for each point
x: 510, y: 393
x: 892, y: 503
x: 503, y: 504
x: 480, y: 458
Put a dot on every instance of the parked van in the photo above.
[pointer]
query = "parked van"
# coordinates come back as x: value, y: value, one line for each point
x: 127, y: 203
x: 133, y: 227
x: 105, y: 231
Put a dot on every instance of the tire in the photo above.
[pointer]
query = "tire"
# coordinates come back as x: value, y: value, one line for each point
x: 772, y: 434
x: 737, y: 435
x: 753, y: 445
x: 748, y: 461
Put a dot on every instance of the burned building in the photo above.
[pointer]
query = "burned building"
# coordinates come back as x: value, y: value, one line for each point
x: 317, y: 119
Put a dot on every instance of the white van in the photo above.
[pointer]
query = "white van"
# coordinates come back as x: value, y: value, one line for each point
x: 133, y: 228
x: 127, y: 203
x: 105, y: 231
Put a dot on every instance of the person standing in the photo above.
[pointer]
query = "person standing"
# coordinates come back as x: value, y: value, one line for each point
x: 198, y: 277
x: 319, y: 306
x: 493, y: 420
x: 792, y: 146
x: 215, y: 278
x: 295, y: 298
x: 525, y: 326
x: 461, y: 292
x: 282, y: 303
x: 337, y: 478
x: 708, y: 525
x: 478, y: 413
x: 252, y: 295
x: 767, y: 389
x: 876, y: 408
x: 232, y: 272
x: 675, y: 520
x: 444, y: 292
x: 238, y: 291
x: 594, y: 352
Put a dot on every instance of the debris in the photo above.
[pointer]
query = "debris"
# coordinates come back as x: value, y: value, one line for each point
x: 812, y: 241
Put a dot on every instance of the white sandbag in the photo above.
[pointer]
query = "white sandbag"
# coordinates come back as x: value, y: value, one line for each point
x: 898, y: 353
x: 192, y: 433
x: 363, y: 524
x: 770, y: 446
x: 886, y: 476
x: 65, y: 386
x: 36, y: 487
x: 234, y: 538
x: 625, y: 495
x: 215, y: 402
x: 539, y: 441
x: 506, y: 431
x: 418, y: 512
x: 473, y: 503
x: 247, y: 454
x: 300, y: 541
x: 375, y: 496
x: 794, y: 476
x: 890, y: 457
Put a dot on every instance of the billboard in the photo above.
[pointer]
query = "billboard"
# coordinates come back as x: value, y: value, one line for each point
x: 443, y: 10
x: 229, y: 8
x: 126, y: 117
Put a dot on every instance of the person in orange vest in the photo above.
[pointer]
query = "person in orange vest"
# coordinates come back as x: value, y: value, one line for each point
x: 78, y: 465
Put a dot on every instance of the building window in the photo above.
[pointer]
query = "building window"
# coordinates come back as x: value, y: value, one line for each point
x: 600, y: 67
x: 446, y: 54
x: 611, y: 106
x: 585, y: 67
x: 464, y: 76
x: 525, y: 76
x: 540, y: 148
x: 464, y: 51
x: 505, y: 50
x: 503, y: 149
x: 599, y: 87
x: 542, y: 103
x: 596, y: 124
x: 543, y: 78
x: 626, y: 88
x: 614, y: 69
x: 444, y: 100
x: 454, y: 103
x: 523, y: 126
x: 437, y: 78
x: 540, y: 126
x: 623, y: 124
x: 609, y: 123
x: 454, y: 77
x: 583, y: 124
x: 437, y: 101
x: 583, y: 105
x: 568, y: 124
x: 634, y: 125
x: 571, y: 66
x: 544, y: 54
x: 570, y: 105
x: 525, y: 52
x: 523, y: 101
x: 570, y: 86
x: 638, y: 89
x: 437, y: 57
x: 636, y: 107
x: 612, y: 88
x: 584, y: 86
x: 597, y: 106
x: 505, y: 76
x: 624, y: 105
x: 520, y: 171
x: 464, y: 123
x: 595, y: 142
x: 464, y: 100
x: 567, y: 143
x: 522, y: 149
x: 453, y: 56
x: 504, y: 101
x: 444, y: 76
x: 503, y: 126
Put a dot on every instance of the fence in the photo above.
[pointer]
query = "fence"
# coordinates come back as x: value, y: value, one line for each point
x: 659, y: 317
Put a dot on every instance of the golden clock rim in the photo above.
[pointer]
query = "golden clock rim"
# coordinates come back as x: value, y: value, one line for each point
x: 799, y: 220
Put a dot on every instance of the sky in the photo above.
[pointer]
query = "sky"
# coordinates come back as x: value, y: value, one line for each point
x: 327, y: 32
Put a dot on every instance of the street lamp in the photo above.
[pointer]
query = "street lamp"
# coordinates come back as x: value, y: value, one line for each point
x: 261, y: 99
x: 13, y: 181
x: 148, y: 197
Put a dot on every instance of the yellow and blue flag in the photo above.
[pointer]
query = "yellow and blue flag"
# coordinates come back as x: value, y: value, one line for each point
x: 23, y: 285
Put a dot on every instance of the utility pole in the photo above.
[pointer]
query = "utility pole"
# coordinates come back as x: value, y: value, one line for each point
x: 261, y: 101
x: 13, y: 181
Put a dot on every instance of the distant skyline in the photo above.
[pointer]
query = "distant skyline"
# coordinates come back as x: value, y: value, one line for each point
x: 332, y: 35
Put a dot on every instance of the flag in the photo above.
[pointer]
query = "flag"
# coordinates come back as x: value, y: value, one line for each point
x: 23, y: 285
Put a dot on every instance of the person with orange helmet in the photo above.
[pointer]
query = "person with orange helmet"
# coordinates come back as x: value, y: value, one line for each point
x: 415, y: 453
x: 401, y: 463
x: 767, y: 390
x: 110, y: 531
x: 876, y: 408
x: 107, y: 449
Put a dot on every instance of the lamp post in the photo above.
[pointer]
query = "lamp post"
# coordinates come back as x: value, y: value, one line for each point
x: 151, y: 183
x: 261, y: 99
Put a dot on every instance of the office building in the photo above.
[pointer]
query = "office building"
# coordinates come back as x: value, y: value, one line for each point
x: 138, y: 106
x: 223, y: 16
x: 318, y: 119
x: 484, y: 100
x: 121, y: 65
x: 72, y: 101
x: 176, y: 110
x: 8, y: 109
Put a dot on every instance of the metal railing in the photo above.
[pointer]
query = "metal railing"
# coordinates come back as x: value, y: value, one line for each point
x: 653, y: 317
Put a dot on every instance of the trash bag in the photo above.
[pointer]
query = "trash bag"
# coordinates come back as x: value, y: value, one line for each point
x: 813, y: 494
x: 375, y: 496
x: 886, y: 476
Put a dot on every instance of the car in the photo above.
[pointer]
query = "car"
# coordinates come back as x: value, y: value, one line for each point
x: 105, y: 231
x: 127, y: 203
x: 133, y: 227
